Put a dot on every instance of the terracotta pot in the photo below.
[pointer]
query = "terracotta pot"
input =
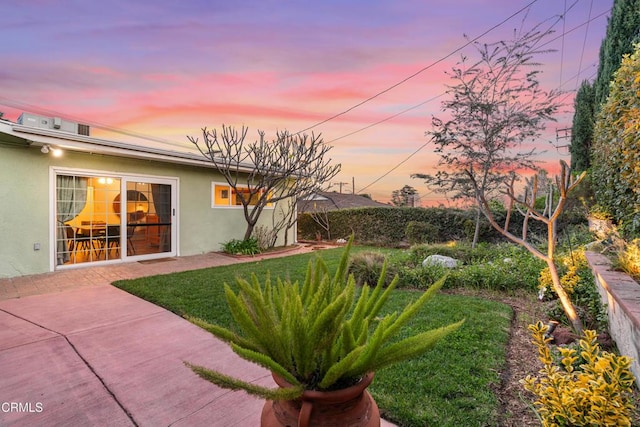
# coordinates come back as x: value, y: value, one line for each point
x: 349, y: 407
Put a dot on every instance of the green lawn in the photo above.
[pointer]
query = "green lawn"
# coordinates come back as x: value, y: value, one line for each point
x: 449, y: 386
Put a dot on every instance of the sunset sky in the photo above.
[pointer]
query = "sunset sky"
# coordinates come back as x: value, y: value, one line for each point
x: 165, y: 69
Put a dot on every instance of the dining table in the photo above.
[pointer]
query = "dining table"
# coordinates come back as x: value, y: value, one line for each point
x: 95, y: 233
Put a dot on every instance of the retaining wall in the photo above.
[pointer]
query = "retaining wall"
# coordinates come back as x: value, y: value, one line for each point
x: 622, y: 295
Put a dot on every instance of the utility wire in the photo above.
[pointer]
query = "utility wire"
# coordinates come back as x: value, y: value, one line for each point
x: 424, y: 145
x: 396, y: 166
x: 584, y: 42
x: 564, y: 25
x: 20, y: 105
x: 417, y: 72
x: 40, y: 110
x: 386, y: 119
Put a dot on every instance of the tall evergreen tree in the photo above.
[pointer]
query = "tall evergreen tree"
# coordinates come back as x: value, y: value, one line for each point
x: 623, y: 30
x: 582, y: 128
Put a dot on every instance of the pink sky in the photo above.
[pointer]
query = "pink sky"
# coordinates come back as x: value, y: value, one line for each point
x: 166, y: 69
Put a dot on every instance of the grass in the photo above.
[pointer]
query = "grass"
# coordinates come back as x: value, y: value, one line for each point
x: 449, y: 386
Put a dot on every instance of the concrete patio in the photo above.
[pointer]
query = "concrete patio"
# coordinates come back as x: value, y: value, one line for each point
x: 75, y: 350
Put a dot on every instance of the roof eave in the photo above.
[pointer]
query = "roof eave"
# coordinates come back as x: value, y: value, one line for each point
x: 87, y: 144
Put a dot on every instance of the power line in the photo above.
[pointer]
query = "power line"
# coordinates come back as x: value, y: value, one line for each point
x: 396, y: 166
x: 417, y: 72
x: 437, y: 96
x: 389, y: 118
x: 584, y: 42
x: 16, y: 104
x: 424, y: 145
x: 44, y: 111
x: 564, y: 25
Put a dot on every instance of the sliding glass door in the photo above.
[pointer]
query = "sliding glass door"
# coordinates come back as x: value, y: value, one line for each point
x: 150, y: 213
x: 104, y: 218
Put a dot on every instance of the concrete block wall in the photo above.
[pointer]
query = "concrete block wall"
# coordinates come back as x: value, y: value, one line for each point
x: 621, y: 294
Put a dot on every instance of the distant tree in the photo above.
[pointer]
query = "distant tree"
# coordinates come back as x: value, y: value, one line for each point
x: 404, y: 197
x: 616, y: 145
x: 495, y: 105
x: 582, y: 127
x: 267, y: 172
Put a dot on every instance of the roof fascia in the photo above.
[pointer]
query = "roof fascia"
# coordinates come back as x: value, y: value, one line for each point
x: 82, y: 143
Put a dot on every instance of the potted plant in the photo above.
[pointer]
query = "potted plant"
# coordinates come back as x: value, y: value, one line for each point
x: 322, y: 341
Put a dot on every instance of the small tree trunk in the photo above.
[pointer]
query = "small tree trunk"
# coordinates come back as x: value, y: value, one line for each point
x: 476, y: 233
x: 249, y: 231
x: 567, y: 305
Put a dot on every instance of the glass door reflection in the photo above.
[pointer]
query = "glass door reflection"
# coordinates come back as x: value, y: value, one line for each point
x: 149, y: 214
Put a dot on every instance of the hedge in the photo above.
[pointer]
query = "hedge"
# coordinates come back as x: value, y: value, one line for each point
x: 396, y: 226
x: 387, y: 226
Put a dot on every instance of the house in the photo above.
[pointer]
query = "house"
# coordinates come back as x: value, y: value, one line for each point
x: 331, y: 200
x: 71, y: 200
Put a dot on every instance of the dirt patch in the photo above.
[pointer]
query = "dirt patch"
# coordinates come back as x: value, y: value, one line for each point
x: 521, y: 358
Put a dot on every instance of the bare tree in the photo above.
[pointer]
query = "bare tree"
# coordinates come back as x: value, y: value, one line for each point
x: 321, y: 217
x: 495, y: 106
x: 265, y: 172
x: 549, y: 215
x: 404, y: 197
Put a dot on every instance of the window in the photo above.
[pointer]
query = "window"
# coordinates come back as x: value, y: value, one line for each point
x: 226, y: 196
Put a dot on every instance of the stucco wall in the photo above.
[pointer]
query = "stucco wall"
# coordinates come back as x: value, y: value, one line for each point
x: 25, y: 212
x: 621, y: 294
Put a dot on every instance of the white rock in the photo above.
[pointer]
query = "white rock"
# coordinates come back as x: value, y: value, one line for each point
x: 442, y: 260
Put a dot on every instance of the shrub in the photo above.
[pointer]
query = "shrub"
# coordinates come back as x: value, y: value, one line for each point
x: 264, y: 236
x: 241, y: 247
x: 320, y: 334
x: 420, y: 277
x: 616, y: 141
x: 387, y: 226
x: 576, y: 278
x: 367, y: 268
x: 421, y: 232
x: 629, y: 258
x: 597, y: 392
x: 500, y: 267
x: 499, y: 275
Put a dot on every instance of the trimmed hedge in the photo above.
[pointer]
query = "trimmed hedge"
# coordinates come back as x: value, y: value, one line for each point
x: 402, y: 225
x: 387, y: 226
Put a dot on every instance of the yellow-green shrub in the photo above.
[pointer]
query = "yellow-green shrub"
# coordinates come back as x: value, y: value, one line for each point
x: 569, y: 267
x: 629, y: 258
x: 597, y: 393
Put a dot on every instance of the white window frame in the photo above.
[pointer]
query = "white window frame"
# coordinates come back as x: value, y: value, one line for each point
x: 55, y: 170
x: 229, y: 197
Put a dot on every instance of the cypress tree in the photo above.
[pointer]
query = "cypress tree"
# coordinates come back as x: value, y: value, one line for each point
x: 582, y: 128
x: 623, y: 30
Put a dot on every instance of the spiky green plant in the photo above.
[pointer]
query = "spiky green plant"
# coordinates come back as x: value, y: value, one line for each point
x: 318, y: 335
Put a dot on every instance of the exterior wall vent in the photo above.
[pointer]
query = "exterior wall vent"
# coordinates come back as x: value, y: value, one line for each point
x: 83, y: 129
